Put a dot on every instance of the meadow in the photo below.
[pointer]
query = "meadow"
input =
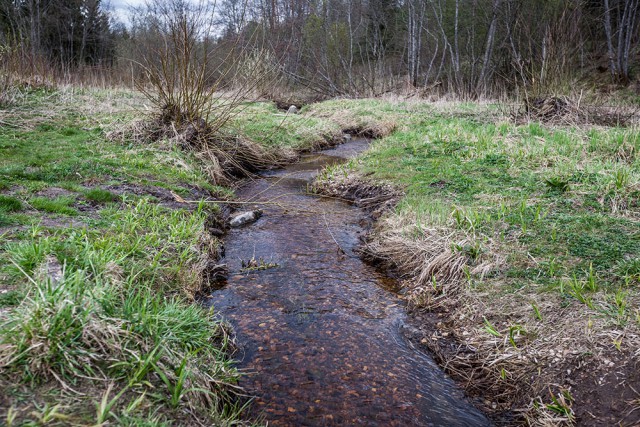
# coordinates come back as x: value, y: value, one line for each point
x: 521, y: 237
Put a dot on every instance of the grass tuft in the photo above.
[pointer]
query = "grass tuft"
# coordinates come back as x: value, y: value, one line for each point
x: 99, y: 195
x: 10, y: 204
x: 111, y: 304
x: 59, y: 205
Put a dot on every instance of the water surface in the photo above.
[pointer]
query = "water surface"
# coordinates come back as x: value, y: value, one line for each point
x: 320, y: 333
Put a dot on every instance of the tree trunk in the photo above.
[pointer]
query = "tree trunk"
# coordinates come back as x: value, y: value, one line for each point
x: 488, y: 51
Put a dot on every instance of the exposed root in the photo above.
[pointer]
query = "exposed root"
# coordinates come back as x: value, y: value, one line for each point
x: 372, y: 197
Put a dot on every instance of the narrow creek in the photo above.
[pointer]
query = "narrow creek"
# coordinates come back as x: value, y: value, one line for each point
x: 320, y: 333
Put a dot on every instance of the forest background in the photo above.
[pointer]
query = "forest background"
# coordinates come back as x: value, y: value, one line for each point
x: 329, y: 48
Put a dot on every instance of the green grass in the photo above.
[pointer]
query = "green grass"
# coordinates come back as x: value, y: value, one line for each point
x: 264, y: 124
x: 120, y: 324
x: 565, y: 195
x: 119, y: 311
x: 10, y: 299
x: 99, y: 195
x: 10, y: 204
x: 59, y: 205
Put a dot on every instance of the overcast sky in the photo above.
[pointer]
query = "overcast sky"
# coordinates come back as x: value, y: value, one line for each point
x: 121, y: 7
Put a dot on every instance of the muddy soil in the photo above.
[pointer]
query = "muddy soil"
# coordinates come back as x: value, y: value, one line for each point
x: 320, y: 332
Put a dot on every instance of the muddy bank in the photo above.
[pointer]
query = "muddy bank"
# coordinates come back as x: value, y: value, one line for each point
x: 323, y: 335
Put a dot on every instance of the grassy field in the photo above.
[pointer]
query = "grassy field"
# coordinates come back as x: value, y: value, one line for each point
x: 526, y: 238
x: 104, y: 245
x: 99, y: 265
x: 522, y: 238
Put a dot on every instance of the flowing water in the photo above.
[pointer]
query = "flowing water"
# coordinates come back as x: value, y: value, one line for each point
x: 319, y: 330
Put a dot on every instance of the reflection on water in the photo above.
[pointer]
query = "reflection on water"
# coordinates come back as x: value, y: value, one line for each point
x: 319, y: 334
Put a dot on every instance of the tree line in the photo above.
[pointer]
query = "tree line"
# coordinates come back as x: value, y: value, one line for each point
x: 64, y: 33
x: 359, y: 47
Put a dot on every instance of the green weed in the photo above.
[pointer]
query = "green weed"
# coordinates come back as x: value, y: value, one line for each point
x: 557, y: 184
x: 629, y: 269
x: 561, y: 404
x: 59, y: 205
x: 536, y: 311
x: 5, y: 219
x: 10, y: 204
x: 99, y: 195
x: 491, y: 329
x: 11, y: 298
x: 515, y: 332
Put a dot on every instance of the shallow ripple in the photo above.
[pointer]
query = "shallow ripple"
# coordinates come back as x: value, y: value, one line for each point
x: 320, y: 333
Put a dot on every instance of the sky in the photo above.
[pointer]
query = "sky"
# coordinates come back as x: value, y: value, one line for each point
x: 121, y: 8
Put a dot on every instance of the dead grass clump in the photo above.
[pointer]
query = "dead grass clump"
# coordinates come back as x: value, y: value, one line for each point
x: 373, y: 197
x: 564, y: 111
x: 224, y: 157
x: 376, y: 129
x: 436, y: 262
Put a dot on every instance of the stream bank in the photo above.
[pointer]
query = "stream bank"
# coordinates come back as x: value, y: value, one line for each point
x: 321, y: 333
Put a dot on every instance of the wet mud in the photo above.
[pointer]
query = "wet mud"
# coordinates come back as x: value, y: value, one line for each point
x: 319, y: 330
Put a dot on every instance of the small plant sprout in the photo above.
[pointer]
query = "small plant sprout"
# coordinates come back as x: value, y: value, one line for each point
x: 503, y: 374
x: 578, y: 291
x: 103, y: 409
x: 592, y: 282
x: 135, y: 404
x: 561, y: 404
x: 434, y: 284
x: 490, y: 328
x: 617, y: 342
x: 49, y: 414
x: 467, y: 275
x: 12, y: 414
x: 536, y: 311
x: 459, y: 217
x: 522, y: 215
x: 514, y: 332
x: 539, y: 214
x: 621, y: 178
x: 553, y: 267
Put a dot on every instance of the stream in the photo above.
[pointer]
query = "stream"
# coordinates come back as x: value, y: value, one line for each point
x: 319, y: 330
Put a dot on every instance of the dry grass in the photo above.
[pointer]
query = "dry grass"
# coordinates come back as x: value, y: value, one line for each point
x: 565, y: 111
x: 346, y: 114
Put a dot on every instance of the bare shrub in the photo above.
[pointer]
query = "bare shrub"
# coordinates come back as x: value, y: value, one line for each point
x: 197, y: 84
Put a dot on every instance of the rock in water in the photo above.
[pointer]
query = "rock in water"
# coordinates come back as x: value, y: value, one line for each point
x: 245, y: 218
x: 292, y: 110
